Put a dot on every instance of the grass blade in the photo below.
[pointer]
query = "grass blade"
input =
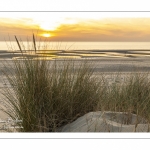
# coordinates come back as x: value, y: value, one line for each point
x: 34, y: 43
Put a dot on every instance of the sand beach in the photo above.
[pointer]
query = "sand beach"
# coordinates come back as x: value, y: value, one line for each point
x: 108, y: 62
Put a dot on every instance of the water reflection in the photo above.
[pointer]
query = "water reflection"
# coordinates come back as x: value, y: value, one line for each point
x: 60, y: 54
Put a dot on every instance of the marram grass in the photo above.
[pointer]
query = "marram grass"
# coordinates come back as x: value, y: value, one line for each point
x: 49, y: 94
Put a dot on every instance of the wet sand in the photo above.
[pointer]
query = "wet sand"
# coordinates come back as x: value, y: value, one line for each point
x: 78, y: 53
x: 104, y: 60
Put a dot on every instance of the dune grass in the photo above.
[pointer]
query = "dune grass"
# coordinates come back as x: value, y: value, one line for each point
x: 130, y: 96
x: 46, y: 95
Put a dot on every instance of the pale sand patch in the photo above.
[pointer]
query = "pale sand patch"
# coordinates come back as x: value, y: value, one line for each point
x: 107, y: 122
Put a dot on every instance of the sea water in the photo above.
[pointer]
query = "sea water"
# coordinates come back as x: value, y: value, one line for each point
x: 77, y: 45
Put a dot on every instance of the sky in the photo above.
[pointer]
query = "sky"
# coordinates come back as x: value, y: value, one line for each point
x: 76, y: 26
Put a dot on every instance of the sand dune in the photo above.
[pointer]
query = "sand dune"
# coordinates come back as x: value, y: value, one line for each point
x: 107, y: 122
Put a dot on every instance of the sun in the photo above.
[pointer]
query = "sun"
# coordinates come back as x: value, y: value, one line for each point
x: 46, y: 35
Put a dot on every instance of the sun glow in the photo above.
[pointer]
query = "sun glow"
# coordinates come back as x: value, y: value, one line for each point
x: 46, y: 35
x: 48, y: 26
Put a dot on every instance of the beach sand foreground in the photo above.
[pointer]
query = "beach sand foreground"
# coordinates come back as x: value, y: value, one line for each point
x: 104, y: 121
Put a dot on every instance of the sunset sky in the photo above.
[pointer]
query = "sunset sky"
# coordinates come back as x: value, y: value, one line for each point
x: 76, y: 26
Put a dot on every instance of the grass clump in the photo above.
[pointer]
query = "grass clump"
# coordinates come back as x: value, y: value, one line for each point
x: 46, y: 94
x: 130, y: 96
